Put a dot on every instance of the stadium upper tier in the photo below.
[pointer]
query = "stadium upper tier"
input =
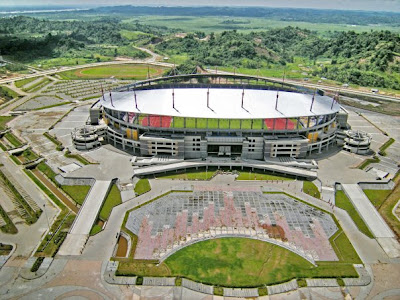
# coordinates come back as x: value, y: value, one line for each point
x: 220, y: 103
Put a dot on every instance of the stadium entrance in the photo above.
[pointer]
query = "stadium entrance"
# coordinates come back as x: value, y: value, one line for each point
x: 224, y: 150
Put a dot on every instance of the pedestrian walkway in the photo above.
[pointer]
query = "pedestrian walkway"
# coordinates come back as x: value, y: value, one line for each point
x: 79, y: 233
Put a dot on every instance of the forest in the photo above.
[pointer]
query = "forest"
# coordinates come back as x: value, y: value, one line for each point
x: 368, y: 59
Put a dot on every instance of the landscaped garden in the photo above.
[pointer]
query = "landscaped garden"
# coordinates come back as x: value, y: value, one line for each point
x: 242, y: 262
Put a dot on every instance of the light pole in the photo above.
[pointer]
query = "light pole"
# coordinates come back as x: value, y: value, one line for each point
x: 47, y: 218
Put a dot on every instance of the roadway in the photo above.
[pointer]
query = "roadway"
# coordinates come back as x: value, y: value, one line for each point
x: 155, y: 60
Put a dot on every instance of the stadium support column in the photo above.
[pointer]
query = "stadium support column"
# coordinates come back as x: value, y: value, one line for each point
x: 134, y: 93
x: 276, y: 102
x: 173, y: 98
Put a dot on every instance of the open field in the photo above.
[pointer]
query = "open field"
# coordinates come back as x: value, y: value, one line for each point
x: 237, y: 262
x: 377, y: 197
x: 259, y: 176
x: 123, y: 71
x: 387, y: 206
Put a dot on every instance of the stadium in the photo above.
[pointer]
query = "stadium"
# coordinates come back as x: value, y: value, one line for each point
x: 200, y: 115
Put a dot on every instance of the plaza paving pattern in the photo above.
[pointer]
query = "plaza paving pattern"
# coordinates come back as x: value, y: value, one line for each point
x: 179, y: 219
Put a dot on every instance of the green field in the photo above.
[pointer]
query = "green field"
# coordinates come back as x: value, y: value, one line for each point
x: 123, y: 71
x: 240, y: 262
x: 113, y: 199
x: 189, y: 175
x: 344, y: 203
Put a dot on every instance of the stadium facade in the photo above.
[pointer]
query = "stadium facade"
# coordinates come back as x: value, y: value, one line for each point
x: 201, y: 115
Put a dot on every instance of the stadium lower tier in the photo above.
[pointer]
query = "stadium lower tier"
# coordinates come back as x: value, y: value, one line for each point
x: 191, y: 138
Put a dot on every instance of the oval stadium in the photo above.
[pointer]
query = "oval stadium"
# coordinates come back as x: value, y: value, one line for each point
x: 202, y: 115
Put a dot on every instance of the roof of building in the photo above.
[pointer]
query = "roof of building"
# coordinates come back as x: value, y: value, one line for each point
x: 223, y: 103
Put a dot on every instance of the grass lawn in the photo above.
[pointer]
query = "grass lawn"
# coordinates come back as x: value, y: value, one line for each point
x: 311, y: 189
x: 344, y: 203
x: 76, y: 192
x: 142, y: 186
x: 259, y: 176
x: 4, y: 120
x: 377, y: 197
x: 237, y: 262
x: 113, y: 199
x: 123, y: 71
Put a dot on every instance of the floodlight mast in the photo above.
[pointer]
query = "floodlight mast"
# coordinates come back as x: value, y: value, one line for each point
x: 208, y: 98
x: 312, y: 102
x: 242, y: 97
x: 173, y: 98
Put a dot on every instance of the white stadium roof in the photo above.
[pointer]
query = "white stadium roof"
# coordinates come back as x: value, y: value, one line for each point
x: 223, y: 102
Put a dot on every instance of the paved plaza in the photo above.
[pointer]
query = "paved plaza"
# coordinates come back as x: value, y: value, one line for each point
x: 179, y: 219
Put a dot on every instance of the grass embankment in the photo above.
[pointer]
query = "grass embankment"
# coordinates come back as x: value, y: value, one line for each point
x: 21, y: 83
x: 13, y: 140
x: 344, y: 203
x: 377, y: 197
x: 368, y: 161
x: 9, y: 226
x: 311, y: 189
x: 7, y: 93
x: 52, y: 242
x: 55, y: 141
x: 189, y: 174
x: 27, y: 212
x: 382, y: 149
x: 123, y: 71
x: 38, y: 85
x: 27, y: 156
x: 241, y: 262
x: 142, y: 186
x: 113, y: 199
x: 259, y: 176
x: 77, y: 192
x: 4, y: 120
x: 385, y: 202
x: 78, y: 157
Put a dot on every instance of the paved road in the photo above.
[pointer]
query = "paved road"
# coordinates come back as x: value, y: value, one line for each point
x: 320, y: 86
x: 151, y: 60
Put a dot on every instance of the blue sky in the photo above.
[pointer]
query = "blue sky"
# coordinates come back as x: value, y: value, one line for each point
x: 387, y: 5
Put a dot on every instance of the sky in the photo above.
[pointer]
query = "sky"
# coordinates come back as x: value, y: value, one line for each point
x: 377, y: 5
